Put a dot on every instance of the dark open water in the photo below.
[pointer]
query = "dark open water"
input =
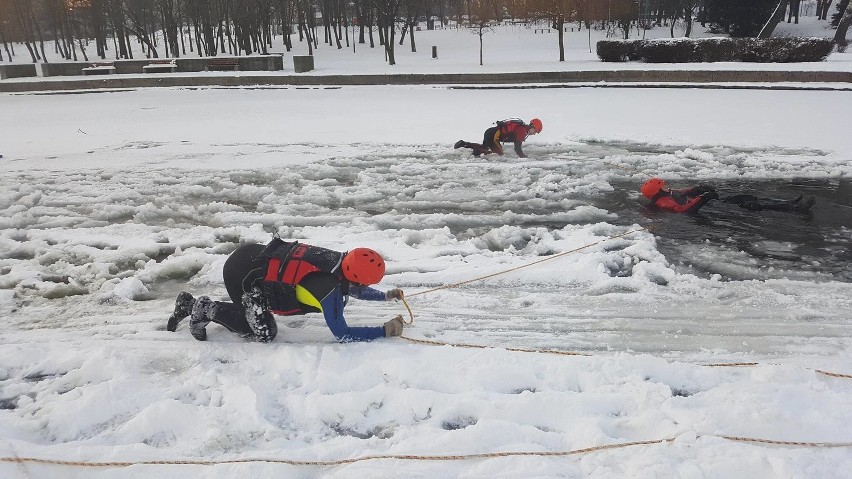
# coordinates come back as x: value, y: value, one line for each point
x: 741, y: 244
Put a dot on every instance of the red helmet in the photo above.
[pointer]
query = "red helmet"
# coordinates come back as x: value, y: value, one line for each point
x: 652, y: 187
x: 363, y: 266
x: 536, y: 123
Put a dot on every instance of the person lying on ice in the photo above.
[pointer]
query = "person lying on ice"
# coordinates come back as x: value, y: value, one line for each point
x: 512, y: 130
x: 290, y: 278
x: 690, y: 200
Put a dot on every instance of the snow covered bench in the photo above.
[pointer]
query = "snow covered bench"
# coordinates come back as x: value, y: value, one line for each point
x: 103, y: 68
x: 160, y: 66
x: 222, y: 64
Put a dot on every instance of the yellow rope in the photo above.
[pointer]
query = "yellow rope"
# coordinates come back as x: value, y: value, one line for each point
x: 629, y: 169
x: 409, y: 311
x: 834, y: 375
x: 573, y: 353
x: 553, y: 351
x: 406, y: 457
x: 477, y: 346
x: 558, y: 255
x: 787, y: 443
x: 337, y: 462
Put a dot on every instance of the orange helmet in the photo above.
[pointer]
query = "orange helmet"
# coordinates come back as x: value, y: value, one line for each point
x: 652, y: 187
x: 536, y: 123
x: 363, y: 266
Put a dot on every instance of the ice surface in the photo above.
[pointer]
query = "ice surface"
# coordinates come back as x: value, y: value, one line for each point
x: 112, y: 203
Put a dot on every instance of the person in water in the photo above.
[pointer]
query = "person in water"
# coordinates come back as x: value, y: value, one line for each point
x: 690, y: 200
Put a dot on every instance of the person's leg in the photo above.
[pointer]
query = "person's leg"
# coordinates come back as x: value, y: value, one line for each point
x: 490, y: 141
x: 476, y: 147
x: 749, y: 202
x: 239, y: 273
x: 755, y: 203
x: 797, y: 204
x: 183, y: 308
x: 257, y: 317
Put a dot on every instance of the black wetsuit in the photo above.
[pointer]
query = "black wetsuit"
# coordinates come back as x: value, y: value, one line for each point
x: 754, y: 203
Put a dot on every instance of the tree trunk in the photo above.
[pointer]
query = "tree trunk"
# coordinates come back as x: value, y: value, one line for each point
x: 826, y: 4
x: 560, y: 24
x: 389, y: 46
x: 481, y: 32
x: 26, y: 27
x: 405, y: 27
x: 842, y: 28
x: 774, y: 20
x: 687, y: 19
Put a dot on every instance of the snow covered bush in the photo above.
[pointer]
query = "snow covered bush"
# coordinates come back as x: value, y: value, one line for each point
x: 784, y: 50
x: 687, y: 50
x: 617, y: 51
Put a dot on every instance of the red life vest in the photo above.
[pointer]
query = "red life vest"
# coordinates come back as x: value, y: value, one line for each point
x: 513, y: 129
x: 678, y: 201
x: 287, y: 263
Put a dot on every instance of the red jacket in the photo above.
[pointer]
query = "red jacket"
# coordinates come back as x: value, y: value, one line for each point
x: 688, y: 200
x: 514, y: 131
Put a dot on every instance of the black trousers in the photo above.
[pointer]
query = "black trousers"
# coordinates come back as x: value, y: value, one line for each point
x: 755, y: 203
x: 487, y: 142
x: 247, y: 304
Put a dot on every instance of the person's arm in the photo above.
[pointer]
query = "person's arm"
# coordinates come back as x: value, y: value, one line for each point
x: 366, y: 293
x: 519, y: 150
x: 691, y: 206
x: 332, y: 309
x: 697, y: 190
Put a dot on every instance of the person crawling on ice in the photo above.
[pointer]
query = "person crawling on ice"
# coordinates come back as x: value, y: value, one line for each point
x: 290, y: 278
x: 511, y: 130
x: 690, y: 200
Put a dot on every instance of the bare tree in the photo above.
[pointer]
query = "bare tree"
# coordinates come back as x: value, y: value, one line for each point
x: 307, y: 21
x: 822, y: 8
x: 483, y: 13
x: 624, y: 14
x: 171, y: 16
x: 386, y: 14
x: 24, y: 15
x: 842, y: 28
x: 3, y: 39
x: 413, y: 10
x: 795, y: 6
x: 116, y: 14
x: 138, y: 11
x: 774, y: 20
x: 557, y: 13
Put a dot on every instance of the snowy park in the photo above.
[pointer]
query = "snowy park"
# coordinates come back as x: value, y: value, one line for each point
x: 561, y: 327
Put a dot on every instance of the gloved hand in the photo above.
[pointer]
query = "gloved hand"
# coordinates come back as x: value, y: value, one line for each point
x: 394, y: 327
x: 395, y: 293
x: 710, y: 195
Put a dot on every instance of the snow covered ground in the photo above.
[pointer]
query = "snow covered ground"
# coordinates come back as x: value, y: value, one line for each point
x: 114, y: 202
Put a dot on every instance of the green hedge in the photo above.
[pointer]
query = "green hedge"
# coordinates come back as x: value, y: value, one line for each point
x: 687, y: 50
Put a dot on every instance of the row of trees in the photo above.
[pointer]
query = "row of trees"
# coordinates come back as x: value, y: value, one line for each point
x: 175, y: 28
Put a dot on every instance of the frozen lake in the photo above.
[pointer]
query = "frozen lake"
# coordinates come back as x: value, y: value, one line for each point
x: 118, y: 201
